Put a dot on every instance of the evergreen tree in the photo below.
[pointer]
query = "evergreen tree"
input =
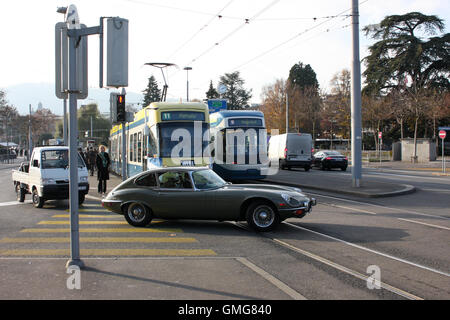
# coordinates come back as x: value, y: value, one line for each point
x: 236, y: 94
x: 152, y: 93
x: 212, y: 92
x: 302, y: 76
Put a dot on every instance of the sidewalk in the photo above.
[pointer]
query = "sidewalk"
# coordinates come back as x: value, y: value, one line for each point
x: 341, y: 185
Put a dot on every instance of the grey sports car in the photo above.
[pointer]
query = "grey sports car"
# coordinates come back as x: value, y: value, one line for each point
x: 199, y: 193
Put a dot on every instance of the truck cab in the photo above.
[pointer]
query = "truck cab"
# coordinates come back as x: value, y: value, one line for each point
x: 46, y: 176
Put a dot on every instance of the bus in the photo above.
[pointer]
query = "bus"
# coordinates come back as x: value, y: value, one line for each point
x: 156, y: 134
x: 240, y: 144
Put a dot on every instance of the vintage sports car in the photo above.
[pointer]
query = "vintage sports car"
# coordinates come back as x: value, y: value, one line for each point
x: 199, y: 193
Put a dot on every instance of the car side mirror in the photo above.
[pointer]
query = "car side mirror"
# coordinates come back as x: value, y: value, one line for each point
x: 36, y: 163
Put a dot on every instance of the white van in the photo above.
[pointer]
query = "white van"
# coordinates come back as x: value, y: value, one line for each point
x: 292, y: 150
x: 46, y: 177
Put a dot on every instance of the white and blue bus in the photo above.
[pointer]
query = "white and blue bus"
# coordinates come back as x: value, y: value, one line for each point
x: 150, y: 137
x: 240, y: 140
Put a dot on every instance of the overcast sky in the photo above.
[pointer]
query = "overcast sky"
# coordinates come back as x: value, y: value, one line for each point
x: 190, y: 33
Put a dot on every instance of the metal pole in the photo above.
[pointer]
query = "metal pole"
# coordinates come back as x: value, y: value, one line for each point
x: 30, y: 137
x: 65, y: 123
x: 91, y: 128
x: 287, y: 114
x: 356, y: 100
x: 124, y: 152
x: 73, y: 158
x: 443, y: 156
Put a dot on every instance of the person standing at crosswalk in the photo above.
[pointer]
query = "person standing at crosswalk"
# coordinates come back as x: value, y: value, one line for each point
x: 102, y: 162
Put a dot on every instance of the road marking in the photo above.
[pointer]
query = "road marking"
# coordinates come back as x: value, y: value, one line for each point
x: 110, y: 252
x: 96, y: 239
x: 13, y: 203
x: 109, y: 216
x: 99, y: 230
x: 347, y: 270
x: 82, y: 222
x: 279, y: 284
x: 353, y: 209
x: 380, y: 206
x: 425, y: 224
x: 370, y: 250
x: 90, y: 210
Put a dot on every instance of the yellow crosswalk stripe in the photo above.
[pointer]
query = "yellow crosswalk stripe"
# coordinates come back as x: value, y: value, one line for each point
x: 90, y: 210
x: 110, y: 252
x: 111, y: 230
x: 89, y: 216
x: 96, y: 239
x: 83, y: 222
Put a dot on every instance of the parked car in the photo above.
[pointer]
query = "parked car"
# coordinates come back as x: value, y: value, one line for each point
x: 330, y: 159
x: 292, y: 150
x: 199, y: 193
x: 46, y: 176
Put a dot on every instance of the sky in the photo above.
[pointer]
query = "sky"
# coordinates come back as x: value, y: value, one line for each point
x: 260, y: 39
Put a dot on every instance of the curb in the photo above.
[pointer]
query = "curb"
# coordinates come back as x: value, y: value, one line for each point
x: 407, y: 189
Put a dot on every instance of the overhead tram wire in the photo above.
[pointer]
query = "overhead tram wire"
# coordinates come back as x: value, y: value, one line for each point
x: 246, y: 21
x: 216, y: 16
x: 295, y: 36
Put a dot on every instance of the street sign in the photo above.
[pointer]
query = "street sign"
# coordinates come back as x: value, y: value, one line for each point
x: 62, y: 66
x: 216, y: 105
x: 442, y: 134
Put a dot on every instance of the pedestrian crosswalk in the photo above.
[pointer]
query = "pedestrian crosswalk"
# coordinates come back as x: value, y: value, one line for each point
x: 102, y: 234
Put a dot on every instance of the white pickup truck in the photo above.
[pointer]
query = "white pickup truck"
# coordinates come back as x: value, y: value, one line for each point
x: 46, y: 177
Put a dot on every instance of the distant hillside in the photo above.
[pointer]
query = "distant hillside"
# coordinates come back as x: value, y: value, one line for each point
x: 22, y: 95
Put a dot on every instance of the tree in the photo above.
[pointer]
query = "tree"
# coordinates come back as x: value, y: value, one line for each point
x: 43, y: 125
x: 151, y: 93
x: 302, y: 76
x: 237, y: 96
x: 400, y: 53
x: 274, y: 105
x: 7, y: 115
x: 101, y: 126
x: 212, y: 92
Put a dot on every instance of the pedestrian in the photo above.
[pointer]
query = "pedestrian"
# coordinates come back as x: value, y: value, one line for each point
x: 92, y: 160
x: 102, y: 161
x: 80, y: 151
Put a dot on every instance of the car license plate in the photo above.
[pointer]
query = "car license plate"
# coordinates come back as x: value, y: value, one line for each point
x: 82, y: 187
x: 188, y: 163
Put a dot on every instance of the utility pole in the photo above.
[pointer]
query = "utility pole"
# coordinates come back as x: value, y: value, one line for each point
x: 356, y: 100
x: 91, y: 128
x: 65, y: 123
x: 124, y: 147
x: 187, y: 82
x: 30, y: 137
x: 287, y: 113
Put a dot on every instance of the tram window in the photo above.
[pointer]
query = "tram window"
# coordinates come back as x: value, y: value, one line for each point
x: 152, y: 145
x: 135, y: 147
x: 131, y: 147
x: 139, y: 147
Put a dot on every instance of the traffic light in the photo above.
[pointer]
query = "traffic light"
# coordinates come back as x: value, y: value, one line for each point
x: 120, y: 105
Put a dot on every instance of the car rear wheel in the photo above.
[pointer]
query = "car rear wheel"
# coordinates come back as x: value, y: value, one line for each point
x: 20, y: 192
x: 137, y: 215
x: 344, y: 168
x: 262, y: 216
x: 307, y: 168
x: 38, y: 202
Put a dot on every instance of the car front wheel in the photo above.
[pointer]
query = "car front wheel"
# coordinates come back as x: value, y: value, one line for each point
x: 137, y: 215
x: 262, y: 217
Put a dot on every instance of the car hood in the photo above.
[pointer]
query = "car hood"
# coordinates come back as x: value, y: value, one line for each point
x: 265, y: 187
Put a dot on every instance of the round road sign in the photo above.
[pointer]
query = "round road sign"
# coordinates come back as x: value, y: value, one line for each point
x: 442, y: 134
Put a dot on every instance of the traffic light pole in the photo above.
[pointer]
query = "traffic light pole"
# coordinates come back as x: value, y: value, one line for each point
x: 124, y: 152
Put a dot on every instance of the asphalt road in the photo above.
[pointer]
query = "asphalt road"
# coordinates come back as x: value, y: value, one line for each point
x: 329, y: 254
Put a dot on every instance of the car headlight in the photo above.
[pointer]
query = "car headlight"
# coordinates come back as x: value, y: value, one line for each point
x: 291, y: 201
x: 48, y: 181
x: 83, y: 179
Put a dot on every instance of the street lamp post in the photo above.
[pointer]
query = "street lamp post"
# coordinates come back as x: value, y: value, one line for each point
x: 187, y: 82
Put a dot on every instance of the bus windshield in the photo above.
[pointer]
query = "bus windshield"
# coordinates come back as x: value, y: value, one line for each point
x: 170, y: 137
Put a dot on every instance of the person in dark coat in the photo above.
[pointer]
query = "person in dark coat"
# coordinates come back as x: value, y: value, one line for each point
x: 92, y: 157
x: 102, y: 162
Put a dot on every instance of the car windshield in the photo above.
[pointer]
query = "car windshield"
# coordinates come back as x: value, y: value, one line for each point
x: 57, y: 159
x: 207, y: 179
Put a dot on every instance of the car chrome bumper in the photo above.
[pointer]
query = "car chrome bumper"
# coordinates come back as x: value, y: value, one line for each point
x: 297, y: 212
x: 112, y: 205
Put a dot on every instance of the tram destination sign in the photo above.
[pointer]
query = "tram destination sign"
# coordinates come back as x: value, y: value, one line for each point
x: 182, y: 116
